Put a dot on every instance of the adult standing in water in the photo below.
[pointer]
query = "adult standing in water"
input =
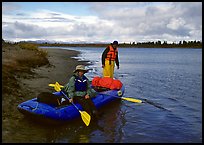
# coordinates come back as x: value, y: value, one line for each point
x: 109, y: 59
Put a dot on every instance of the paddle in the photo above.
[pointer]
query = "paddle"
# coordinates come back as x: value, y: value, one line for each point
x: 119, y: 93
x: 56, y: 84
x: 84, y: 115
x: 124, y: 98
x: 137, y: 101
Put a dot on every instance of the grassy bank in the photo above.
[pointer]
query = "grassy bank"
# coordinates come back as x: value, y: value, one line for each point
x: 18, y: 60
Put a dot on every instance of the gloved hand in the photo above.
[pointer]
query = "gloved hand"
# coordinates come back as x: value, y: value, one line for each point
x: 71, y: 100
x: 117, y: 67
x: 62, y: 89
x: 87, y: 96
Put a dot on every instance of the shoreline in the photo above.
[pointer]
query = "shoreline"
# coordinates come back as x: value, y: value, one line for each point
x: 60, y: 69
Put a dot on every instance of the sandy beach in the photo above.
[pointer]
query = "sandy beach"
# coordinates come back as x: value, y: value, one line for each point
x: 59, y: 69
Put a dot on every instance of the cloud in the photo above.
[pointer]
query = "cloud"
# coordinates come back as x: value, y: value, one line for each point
x: 9, y: 7
x: 156, y: 20
x: 131, y: 21
x: 22, y: 30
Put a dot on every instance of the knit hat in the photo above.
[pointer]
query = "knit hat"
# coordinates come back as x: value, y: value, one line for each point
x: 115, y: 42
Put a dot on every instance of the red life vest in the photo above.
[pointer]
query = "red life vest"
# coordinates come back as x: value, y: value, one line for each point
x: 111, y: 55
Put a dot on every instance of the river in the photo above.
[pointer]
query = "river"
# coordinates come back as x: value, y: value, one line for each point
x: 168, y: 80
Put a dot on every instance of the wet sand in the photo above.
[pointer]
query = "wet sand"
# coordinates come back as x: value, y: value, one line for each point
x: 60, y: 69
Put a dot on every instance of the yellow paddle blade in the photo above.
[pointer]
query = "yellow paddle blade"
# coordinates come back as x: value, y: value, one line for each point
x: 85, y: 117
x: 132, y: 100
x: 52, y: 85
x: 56, y: 86
x: 60, y: 86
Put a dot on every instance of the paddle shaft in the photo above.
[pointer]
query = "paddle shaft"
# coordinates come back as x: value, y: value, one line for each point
x: 84, y: 115
x: 69, y: 99
x: 127, y: 99
x: 57, y: 88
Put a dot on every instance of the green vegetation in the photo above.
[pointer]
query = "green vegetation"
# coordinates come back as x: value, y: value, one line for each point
x: 29, y: 46
x: 17, y: 61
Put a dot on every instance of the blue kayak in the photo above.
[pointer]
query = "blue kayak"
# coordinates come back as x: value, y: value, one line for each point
x: 38, y: 110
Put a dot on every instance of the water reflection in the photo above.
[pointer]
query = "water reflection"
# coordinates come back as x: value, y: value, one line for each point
x: 108, y: 128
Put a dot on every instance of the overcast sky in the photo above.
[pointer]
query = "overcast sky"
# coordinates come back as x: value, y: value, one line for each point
x: 102, y: 21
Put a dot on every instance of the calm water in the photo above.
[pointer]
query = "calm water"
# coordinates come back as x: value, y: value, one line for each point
x: 171, y: 82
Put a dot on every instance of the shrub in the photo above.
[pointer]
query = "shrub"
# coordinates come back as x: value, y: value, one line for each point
x: 28, y: 46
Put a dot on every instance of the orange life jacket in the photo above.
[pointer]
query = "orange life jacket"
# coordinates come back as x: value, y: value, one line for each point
x: 111, y: 55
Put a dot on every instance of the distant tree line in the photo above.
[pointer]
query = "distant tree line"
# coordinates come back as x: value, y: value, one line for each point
x: 164, y: 44
x: 157, y: 44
